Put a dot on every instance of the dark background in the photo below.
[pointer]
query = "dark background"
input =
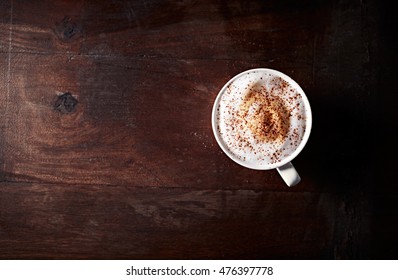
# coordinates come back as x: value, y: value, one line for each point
x: 106, y: 148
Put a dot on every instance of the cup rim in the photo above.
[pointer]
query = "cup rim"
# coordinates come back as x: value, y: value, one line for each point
x: 306, y: 135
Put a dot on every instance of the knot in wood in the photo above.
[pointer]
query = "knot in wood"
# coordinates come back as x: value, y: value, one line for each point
x: 66, y: 103
x: 67, y: 29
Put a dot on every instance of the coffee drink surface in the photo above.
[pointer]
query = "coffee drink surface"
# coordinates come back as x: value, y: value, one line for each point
x: 261, y: 118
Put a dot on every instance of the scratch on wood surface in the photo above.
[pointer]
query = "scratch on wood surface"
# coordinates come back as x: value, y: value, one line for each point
x: 130, y: 13
x: 313, y: 60
x: 9, y: 51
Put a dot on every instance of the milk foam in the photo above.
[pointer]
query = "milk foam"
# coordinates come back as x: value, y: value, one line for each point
x: 261, y: 118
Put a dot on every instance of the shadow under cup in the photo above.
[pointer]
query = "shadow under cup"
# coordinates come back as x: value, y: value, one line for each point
x: 262, y: 120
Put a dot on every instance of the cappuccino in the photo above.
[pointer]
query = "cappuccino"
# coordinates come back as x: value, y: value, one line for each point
x: 260, y: 118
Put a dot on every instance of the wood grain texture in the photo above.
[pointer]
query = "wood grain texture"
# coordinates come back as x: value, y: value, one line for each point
x: 134, y: 82
x: 106, y: 148
x: 97, y: 222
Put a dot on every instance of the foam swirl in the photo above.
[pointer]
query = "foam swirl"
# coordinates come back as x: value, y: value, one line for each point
x: 261, y: 118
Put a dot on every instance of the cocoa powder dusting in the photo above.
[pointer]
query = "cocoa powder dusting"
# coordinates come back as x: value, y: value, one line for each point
x: 265, y: 114
x: 262, y: 120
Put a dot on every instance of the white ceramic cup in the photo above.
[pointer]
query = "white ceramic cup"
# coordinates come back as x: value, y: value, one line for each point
x: 284, y: 165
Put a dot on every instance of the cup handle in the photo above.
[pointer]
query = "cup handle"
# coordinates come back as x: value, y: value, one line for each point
x: 289, y: 174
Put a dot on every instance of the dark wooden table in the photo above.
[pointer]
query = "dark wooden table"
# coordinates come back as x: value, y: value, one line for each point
x: 106, y: 147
